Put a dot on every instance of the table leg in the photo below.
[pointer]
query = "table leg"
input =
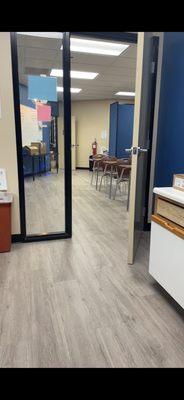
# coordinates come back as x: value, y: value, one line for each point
x: 33, y: 169
x: 40, y: 165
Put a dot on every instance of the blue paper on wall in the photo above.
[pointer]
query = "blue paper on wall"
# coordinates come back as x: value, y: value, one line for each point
x: 42, y: 88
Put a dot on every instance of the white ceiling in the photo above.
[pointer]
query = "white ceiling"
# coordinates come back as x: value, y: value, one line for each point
x: 39, y: 55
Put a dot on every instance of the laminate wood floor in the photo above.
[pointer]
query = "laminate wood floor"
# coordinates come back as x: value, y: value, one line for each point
x: 42, y: 195
x: 76, y: 303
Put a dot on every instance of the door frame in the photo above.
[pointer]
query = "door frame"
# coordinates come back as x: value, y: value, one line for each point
x: 130, y: 37
x: 155, y: 56
x: 152, y: 71
x: 67, y: 144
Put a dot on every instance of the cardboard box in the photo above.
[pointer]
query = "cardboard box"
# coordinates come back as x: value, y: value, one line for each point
x: 33, y: 150
x: 178, y: 182
x: 41, y: 146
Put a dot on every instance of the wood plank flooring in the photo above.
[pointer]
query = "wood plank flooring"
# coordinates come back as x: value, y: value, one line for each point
x: 42, y: 195
x: 76, y: 303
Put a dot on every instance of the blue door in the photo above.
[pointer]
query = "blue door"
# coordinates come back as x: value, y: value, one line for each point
x: 125, y: 129
x: 113, y: 129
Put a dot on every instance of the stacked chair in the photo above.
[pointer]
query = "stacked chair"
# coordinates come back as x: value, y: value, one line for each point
x: 114, y: 169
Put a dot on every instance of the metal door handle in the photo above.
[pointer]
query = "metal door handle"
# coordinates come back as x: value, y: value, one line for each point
x: 140, y: 150
x: 136, y: 150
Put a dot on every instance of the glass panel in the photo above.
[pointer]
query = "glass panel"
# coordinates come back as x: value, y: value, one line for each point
x: 41, y: 107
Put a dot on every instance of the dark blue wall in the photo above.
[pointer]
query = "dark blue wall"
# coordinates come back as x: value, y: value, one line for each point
x: 125, y: 129
x: 113, y: 128
x: 170, y: 140
x: 121, y: 129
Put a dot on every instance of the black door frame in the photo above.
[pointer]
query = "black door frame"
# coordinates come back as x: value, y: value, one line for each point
x: 67, y: 144
x: 153, y: 77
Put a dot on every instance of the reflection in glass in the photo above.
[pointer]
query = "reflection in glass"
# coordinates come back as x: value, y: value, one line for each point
x: 41, y: 108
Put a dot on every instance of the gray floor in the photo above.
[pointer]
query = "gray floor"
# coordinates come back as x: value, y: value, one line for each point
x: 46, y: 192
x: 76, y: 303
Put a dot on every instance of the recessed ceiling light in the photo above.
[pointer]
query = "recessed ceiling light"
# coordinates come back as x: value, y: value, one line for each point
x: 74, y: 74
x: 72, y: 90
x: 50, y: 35
x: 131, y: 94
x: 97, y: 47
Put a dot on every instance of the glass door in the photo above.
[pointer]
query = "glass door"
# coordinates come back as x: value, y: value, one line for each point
x: 41, y: 78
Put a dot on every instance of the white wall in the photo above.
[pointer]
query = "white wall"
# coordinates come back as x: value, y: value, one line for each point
x: 8, y: 155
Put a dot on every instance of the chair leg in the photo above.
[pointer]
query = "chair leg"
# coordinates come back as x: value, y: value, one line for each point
x: 110, y: 191
x: 92, y: 177
x: 116, y: 188
x: 97, y: 179
x: 101, y: 182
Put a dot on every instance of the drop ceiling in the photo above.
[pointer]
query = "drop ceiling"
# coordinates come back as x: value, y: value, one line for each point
x: 39, y: 55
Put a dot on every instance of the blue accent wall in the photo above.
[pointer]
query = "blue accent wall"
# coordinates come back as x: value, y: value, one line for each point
x: 125, y: 129
x: 113, y: 128
x: 121, y: 129
x: 170, y: 139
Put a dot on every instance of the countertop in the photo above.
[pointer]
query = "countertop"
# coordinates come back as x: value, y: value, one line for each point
x: 170, y: 193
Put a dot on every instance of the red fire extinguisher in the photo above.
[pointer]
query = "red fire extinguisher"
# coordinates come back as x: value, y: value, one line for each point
x: 94, y: 148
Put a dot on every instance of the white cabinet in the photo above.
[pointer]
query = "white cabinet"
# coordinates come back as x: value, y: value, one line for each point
x: 166, y: 263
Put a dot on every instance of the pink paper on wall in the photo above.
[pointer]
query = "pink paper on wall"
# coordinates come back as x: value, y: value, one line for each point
x: 43, y: 112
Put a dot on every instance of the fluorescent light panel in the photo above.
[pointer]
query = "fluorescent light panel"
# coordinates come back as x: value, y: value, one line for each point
x: 49, y: 35
x: 97, y: 47
x: 131, y: 94
x: 83, y: 45
x: 72, y: 90
x: 74, y: 74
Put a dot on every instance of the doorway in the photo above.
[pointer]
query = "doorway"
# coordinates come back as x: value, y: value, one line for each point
x: 146, y: 74
x: 63, y: 152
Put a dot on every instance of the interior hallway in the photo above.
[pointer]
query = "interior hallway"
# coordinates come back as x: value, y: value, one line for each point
x: 76, y: 303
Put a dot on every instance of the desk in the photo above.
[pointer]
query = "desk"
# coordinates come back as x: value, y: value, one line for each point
x: 37, y: 168
x: 34, y: 157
